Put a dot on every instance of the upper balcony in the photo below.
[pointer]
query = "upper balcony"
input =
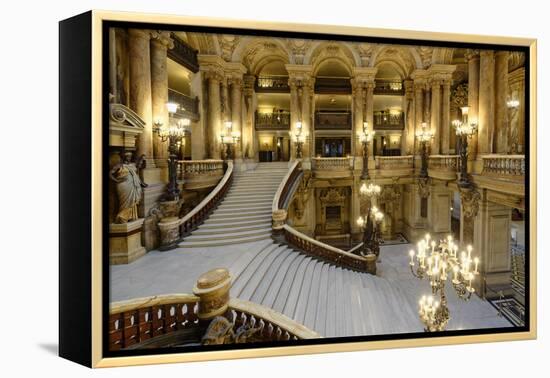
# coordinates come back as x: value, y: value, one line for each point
x: 332, y: 85
x: 389, y: 87
x: 272, y: 84
x: 504, y: 174
x: 184, y: 54
x: 394, y: 166
x: 200, y: 174
x: 443, y: 167
x: 389, y: 120
x: 188, y: 106
x: 333, y: 120
x: 272, y: 121
x: 332, y: 167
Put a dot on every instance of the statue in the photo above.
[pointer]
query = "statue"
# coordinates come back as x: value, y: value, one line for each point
x: 129, y: 187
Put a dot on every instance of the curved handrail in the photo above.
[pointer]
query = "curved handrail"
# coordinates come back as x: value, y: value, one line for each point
x: 136, y: 320
x: 358, y: 246
x: 199, y: 212
x: 293, y: 328
x: 283, y: 186
x: 324, y: 251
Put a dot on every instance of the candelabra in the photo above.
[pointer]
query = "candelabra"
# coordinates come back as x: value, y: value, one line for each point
x: 174, y: 134
x: 464, y: 130
x: 437, y: 262
x: 299, y: 139
x: 228, y: 138
x: 370, y: 221
x: 424, y: 136
x: 365, y: 136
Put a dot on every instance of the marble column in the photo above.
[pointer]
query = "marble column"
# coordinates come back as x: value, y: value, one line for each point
x: 307, y: 118
x: 418, y: 105
x: 249, y: 130
x: 370, y: 111
x: 140, y: 88
x: 517, y: 115
x: 492, y: 223
x: 445, y: 117
x: 160, y: 43
x: 427, y: 104
x: 502, y: 129
x: 435, y: 120
x: 486, y: 126
x: 358, y: 96
x: 214, y: 114
x: 236, y: 114
x: 295, y: 113
x: 407, y: 141
x: 472, y: 56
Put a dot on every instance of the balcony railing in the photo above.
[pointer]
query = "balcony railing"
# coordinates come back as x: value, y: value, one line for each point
x: 385, y: 120
x: 272, y: 121
x: 389, y: 87
x: 394, y: 166
x: 200, y: 174
x: 272, y: 83
x: 333, y: 120
x: 184, y: 54
x: 443, y: 167
x: 332, y: 167
x: 188, y: 106
x: 332, y: 85
x: 504, y: 165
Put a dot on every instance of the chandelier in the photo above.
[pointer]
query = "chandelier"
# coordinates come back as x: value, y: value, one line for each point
x: 424, y: 134
x: 438, y: 262
x: 371, y: 190
x: 463, y: 127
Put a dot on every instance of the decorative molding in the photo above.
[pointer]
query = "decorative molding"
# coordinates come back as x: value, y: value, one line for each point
x: 470, y: 202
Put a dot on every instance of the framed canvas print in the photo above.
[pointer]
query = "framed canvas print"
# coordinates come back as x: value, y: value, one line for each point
x: 236, y: 189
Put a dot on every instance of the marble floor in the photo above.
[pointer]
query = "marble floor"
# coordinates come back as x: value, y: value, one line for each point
x: 278, y: 277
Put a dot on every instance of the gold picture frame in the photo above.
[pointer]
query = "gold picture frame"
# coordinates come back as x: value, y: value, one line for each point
x: 96, y: 264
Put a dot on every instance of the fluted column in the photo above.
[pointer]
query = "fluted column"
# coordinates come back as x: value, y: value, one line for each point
x: 486, y: 125
x: 160, y: 43
x: 307, y: 118
x: 502, y: 129
x: 370, y: 109
x: 445, y: 116
x: 214, y: 114
x: 358, y: 95
x: 435, y: 121
x: 236, y: 113
x: 140, y: 88
x: 295, y: 114
x: 248, y: 127
x: 473, y: 97
x: 407, y: 140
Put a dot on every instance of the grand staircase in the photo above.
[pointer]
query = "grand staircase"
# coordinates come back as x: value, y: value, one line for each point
x: 245, y: 214
x: 330, y: 300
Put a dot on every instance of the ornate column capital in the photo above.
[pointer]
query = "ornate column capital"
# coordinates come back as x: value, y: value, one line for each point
x: 471, y: 54
x: 139, y: 33
x: 470, y: 198
x: 162, y: 39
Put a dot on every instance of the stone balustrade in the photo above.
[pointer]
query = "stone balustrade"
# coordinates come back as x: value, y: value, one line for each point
x: 332, y: 167
x: 200, y: 174
x: 179, y: 319
x: 394, y: 166
x: 443, y: 167
x: 504, y: 165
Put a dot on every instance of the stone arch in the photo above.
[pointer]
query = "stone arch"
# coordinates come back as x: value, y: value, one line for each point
x: 323, y: 51
x: 255, y: 52
x: 401, y: 57
x: 442, y: 55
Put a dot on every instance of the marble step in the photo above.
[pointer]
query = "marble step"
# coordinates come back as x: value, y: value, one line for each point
x: 245, y: 283
x: 244, y: 205
x: 218, y: 243
x: 279, y: 279
x: 225, y: 230
x: 297, y: 286
x: 228, y: 235
x: 330, y: 327
x: 321, y: 314
x: 240, y: 197
x: 301, y: 304
x: 261, y: 290
x: 251, y: 251
x: 250, y: 221
x: 234, y: 215
x: 313, y: 298
x: 249, y: 209
x: 244, y: 202
x: 284, y: 290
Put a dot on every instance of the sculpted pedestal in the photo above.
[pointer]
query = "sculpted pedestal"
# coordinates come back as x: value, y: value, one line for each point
x: 125, y: 242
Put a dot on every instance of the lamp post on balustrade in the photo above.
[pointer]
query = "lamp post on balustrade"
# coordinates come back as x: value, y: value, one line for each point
x: 365, y: 136
x: 174, y: 133
x: 424, y: 136
x: 464, y: 131
x: 299, y: 139
x: 228, y: 138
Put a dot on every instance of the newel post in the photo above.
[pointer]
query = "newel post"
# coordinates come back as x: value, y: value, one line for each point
x: 212, y: 288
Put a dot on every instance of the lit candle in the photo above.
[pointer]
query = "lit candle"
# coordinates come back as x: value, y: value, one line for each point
x: 476, y: 262
x: 411, y: 253
x: 433, y: 246
x: 455, y: 271
x: 469, y: 248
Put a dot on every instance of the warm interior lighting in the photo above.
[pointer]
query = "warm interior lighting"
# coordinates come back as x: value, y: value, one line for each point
x: 172, y: 107
x: 512, y: 104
